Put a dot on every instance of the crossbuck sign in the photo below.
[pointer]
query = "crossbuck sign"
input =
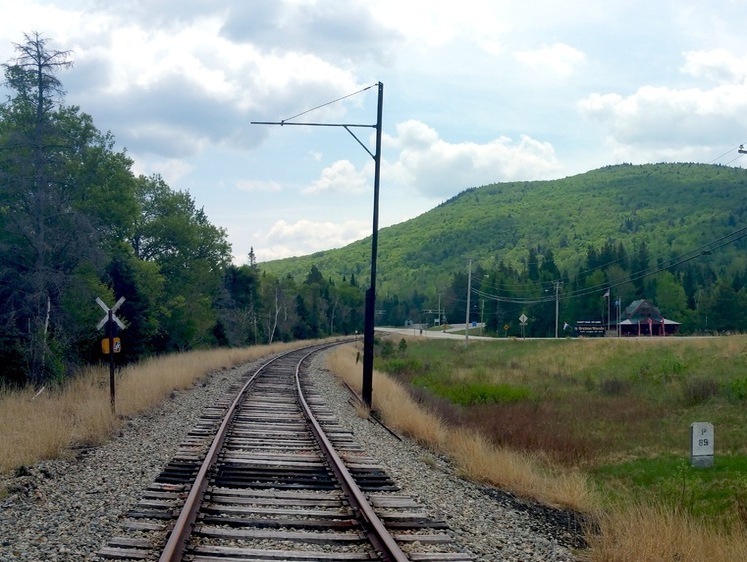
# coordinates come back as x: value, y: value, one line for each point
x: 105, y: 319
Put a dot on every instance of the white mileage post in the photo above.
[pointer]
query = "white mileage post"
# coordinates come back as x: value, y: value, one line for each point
x: 701, y: 444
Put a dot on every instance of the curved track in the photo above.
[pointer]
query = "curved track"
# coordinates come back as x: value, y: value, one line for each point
x: 268, y: 474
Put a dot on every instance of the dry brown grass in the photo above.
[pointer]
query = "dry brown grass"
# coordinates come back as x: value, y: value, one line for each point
x: 569, y: 432
x: 652, y: 533
x: 50, y: 425
x: 474, y: 455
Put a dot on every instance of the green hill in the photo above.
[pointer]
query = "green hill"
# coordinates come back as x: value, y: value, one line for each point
x: 674, y: 208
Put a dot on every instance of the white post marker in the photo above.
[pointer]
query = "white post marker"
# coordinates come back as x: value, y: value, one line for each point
x: 701, y: 444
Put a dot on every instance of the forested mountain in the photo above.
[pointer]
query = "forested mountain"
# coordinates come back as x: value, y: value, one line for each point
x: 638, y: 229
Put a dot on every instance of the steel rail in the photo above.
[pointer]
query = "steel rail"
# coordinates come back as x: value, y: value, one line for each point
x: 377, y: 533
x: 174, y: 549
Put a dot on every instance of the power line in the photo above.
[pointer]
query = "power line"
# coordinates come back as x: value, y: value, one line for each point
x: 725, y: 153
x: 733, y: 159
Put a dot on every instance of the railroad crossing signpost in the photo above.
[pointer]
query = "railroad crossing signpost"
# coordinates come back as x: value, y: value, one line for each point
x: 111, y: 344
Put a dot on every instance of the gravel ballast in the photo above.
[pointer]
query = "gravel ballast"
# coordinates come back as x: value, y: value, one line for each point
x: 66, y: 510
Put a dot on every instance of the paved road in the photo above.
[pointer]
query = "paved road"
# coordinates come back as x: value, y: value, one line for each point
x: 448, y: 334
x: 460, y: 328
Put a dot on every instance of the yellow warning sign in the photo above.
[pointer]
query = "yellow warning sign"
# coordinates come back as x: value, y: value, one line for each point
x: 105, y: 345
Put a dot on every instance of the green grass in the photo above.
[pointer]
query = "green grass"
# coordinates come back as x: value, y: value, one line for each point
x: 467, y: 394
x: 718, y: 494
x: 617, y: 409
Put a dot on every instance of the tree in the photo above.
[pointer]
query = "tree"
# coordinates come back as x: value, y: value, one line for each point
x: 191, y: 254
x: 44, y: 233
x: 240, y: 312
x: 142, y: 285
x: 723, y: 308
x: 670, y: 296
x: 639, y: 265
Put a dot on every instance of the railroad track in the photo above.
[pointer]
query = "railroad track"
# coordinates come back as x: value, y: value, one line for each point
x: 268, y: 474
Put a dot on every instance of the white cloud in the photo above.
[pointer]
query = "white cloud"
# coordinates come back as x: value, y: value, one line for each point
x: 559, y: 58
x: 341, y: 177
x: 437, y: 168
x: 172, y: 170
x: 660, y: 118
x: 303, y: 237
x: 667, y: 123
x: 718, y: 65
x: 172, y: 85
x: 419, y: 160
x: 259, y: 185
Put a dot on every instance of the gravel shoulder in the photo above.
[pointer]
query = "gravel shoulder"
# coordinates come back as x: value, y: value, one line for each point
x: 66, y: 510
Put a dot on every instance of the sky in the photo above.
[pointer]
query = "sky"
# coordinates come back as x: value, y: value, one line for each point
x: 475, y: 92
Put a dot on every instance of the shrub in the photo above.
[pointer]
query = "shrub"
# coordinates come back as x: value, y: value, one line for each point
x: 402, y: 366
x: 614, y: 387
x: 387, y: 349
x: 697, y: 391
x: 737, y: 390
x: 402, y: 347
x: 467, y: 394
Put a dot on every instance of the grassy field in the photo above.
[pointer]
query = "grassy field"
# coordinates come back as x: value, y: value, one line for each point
x: 616, y: 412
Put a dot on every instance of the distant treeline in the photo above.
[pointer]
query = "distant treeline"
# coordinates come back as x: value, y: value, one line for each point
x: 685, y: 291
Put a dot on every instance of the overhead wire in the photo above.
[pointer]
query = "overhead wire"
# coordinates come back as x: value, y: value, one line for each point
x: 734, y: 159
x: 727, y: 152
x: 329, y: 103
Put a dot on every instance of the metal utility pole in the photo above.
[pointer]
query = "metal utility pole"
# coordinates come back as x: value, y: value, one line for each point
x: 557, y: 288
x: 370, y: 309
x: 469, y: 290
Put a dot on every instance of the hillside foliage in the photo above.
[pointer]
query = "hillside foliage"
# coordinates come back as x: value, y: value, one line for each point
x: 672, y: 233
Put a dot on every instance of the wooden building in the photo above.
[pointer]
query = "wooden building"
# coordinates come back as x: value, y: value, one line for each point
x: 641, y: 318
